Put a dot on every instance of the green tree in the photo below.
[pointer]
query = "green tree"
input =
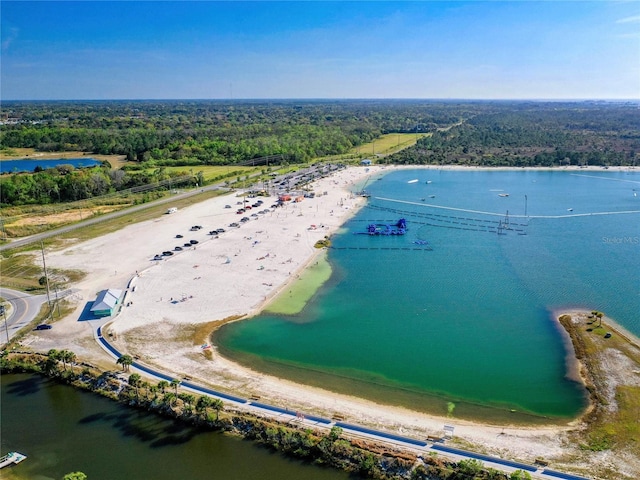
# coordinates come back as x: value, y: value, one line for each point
x: 67, y: 356
x: 169, y: 398
x: 188, y: 400
x: 175, y: 383
x: 75, y: 476
x: 520, y: 475
x: 470, y: 467
x: 162, y: 385
x: 217, y: 405
x: 135, y: 380
x: 204, y: 402
x: 126, y: 361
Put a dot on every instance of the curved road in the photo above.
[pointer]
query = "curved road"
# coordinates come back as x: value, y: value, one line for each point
x: 24, y: 309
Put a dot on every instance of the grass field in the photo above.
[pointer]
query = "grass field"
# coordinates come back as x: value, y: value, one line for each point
x: 388, y: 144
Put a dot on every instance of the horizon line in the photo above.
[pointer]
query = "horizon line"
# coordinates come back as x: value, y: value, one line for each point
x: 254, y: 99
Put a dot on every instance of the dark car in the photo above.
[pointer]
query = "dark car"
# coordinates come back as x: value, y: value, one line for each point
x: 44, y: 326
x: 178, y: 236
x: 233, y: 225
x: 220, y: 230
x: 158, y: 257
x: 178, y: 249
x: 227, y: 206
x: 244, y: 219
x: 193, y: 242
x: 167, y: 253
x: 187, y: 244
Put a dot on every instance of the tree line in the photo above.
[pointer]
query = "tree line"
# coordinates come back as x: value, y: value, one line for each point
x: 212, y: 132
x: 330, y: 449
x: 158, y: 134
x: 64, y: 183
x: 550, y: 135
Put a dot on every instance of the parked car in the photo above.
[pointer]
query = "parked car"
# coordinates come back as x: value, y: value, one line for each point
x: 43, y: 326
x: 178, y: 249
x: 244, y: 219
x: 221, y: 230
x: 193, y: 242
x: 227, y: 206
x: 158, y: 257
x: 233, y: 225
x: 178, y: 236
x: 167, y: 253
x: 187, y: 244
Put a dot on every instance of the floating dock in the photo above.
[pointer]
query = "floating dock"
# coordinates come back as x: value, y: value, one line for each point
x: 11, y: 458
x: 399, y: 228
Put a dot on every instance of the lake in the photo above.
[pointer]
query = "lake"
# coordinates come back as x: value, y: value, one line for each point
x: 63, y: 430
x: 29, y: 164
x: 458, y: 316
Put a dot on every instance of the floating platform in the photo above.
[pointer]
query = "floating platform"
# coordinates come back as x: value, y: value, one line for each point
x: 11, y: 458
x: 399, y: 228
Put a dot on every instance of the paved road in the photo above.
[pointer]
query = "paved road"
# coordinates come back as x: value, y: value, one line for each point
x: 91, y: 221
x: 24, y: 308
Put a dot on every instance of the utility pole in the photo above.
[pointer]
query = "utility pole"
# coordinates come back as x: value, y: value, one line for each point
x: 46, y: 275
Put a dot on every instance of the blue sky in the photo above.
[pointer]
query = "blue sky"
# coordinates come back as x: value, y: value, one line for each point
x: 265, y: 49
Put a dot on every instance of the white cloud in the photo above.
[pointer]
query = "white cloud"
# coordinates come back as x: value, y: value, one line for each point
x: 633, y: 19
x: 6, y: 43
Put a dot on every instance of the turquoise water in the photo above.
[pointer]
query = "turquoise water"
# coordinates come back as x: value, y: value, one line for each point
x: 28, y: 165
x: 469, y: 318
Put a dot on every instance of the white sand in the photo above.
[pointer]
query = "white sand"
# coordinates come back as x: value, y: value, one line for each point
x: 236, y: 274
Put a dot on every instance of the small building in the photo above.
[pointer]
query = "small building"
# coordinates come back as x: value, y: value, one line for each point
x: 106, y: 302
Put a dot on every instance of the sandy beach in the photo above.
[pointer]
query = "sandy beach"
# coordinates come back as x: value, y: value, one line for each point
x: 179, y: 300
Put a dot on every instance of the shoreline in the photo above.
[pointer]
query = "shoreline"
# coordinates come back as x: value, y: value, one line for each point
x: 171, y: 347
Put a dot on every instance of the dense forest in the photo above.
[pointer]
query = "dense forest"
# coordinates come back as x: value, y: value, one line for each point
x: 547, y: 135
x: 156, y: 134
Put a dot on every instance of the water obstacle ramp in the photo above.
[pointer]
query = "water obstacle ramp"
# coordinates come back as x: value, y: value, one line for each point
x: 490, y: 225
x: 397, y: 228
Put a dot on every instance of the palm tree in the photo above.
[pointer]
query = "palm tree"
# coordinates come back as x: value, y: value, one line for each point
x: 217, y: 406
x: 49, y: 365
x: 203, y: 404
x: 188, y: 400
x: 175, y: 383
x: 169, y: 398
x: 162, y: 384
x: 599, y: 315
x: 135, y: 380
x: 67, y: 356
x: 126, y: 361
